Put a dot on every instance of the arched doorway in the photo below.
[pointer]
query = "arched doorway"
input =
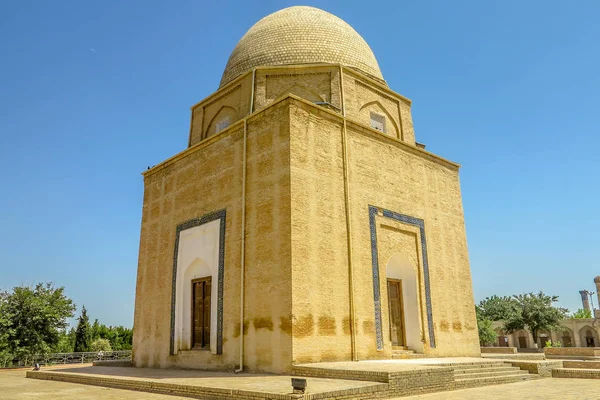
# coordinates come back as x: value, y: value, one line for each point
x: 522, y: 339
x: 567, y: 337
x: 589, y: 337
x: 403, y: 303
x: 544, y: 338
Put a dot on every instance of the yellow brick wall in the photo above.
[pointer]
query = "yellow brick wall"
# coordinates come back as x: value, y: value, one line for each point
x: 297, y: 291
x: 312, y: 83
x: 319, y: 244
x: 233, y: 100
x: 207, y: 178
x: 387, y: 174
x: 363, y: 96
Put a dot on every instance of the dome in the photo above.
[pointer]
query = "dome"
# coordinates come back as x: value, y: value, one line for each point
x: 597, y: 279
x: 300, y: 35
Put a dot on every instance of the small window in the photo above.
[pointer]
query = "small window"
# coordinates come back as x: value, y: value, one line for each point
x: 222, y: 124
x: 378, y: 122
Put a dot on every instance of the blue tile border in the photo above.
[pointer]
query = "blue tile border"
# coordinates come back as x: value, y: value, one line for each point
x: 373, y: 211
x: 220, y: 214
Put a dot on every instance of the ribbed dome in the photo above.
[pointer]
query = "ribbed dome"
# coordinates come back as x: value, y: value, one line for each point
x: 300, y: 35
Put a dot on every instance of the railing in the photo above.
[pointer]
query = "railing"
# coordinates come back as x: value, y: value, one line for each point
x: 72, y: 358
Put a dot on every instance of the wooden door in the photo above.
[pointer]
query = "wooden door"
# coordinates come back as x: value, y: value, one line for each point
x: 396, y: 312
x: 201, y: 289
x: 522, y: 342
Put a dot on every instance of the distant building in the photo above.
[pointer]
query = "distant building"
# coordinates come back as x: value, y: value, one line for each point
x: 574, y: 332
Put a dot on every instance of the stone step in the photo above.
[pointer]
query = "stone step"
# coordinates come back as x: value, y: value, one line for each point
x: 496, y: 380
x: 405, y: 355
x: 582, y: 373
x: 458, y: 367
x: 491, y: 374
x: 506, y: 368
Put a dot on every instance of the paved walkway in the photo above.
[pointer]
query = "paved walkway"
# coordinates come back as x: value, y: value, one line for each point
x: 541, y: 389
x: 14, y: 386
x: 261, y: 383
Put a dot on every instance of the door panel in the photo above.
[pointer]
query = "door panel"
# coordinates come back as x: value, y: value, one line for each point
x: 201, y: 290
x: 396, y: 312
x: 206, y: 320
x: 198, y: 295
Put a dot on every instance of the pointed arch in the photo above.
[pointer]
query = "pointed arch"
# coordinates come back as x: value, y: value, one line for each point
x: 376, y: 106
x: 589, y: 336
x: 522, y: 339
x: 401, y: 269
x: 226, y: 115
x: 566, y: 337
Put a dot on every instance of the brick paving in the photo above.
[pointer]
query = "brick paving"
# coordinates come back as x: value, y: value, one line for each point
x: 14, y: 385
x: 542, y: 389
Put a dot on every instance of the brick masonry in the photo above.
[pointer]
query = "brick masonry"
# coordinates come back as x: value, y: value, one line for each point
x: 541, y: 368
x: 581, y: 373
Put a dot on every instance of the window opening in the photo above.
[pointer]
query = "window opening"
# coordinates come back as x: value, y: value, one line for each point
x: 378, y: 122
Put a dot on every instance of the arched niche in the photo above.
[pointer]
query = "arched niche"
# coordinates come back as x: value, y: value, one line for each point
x: 543, y: 337
x: 589, y: 337
x: 223, y: 118
x: 567, y: 338
x: 522, y: 339
x: 197, y: 257
x: 400, y: 268
x: 376, y: 107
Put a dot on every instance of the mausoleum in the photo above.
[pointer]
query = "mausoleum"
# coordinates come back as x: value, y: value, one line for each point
x: 304, y: 222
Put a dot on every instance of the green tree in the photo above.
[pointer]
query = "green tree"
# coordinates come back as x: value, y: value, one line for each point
x: 83, y: 337
x: 66, y: 344
x: 101, y: 345
x: 535, y: 312
x: 487, y: 334
x: 120, y: 338
x: 581, y: 313
x: 496, y: 308
x: 32, y: 319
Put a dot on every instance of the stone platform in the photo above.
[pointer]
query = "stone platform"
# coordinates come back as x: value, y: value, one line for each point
x: 336, y: 380
x: 518, y: 356
x: 207, y: 385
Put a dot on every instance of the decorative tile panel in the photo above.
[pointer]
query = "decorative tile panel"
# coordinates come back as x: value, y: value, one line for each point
x: 373, y: 212
x: 220, y: 214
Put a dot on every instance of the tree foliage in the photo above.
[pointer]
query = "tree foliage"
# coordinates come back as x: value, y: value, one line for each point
x: 487, y: 334
x: 120, y: 338
x: 582, y: 313
x: 32, y: 319
x: 496, y: 308
x: 101, y: 345
x: 83, y: 336
x: 66, y: 344
x: 535, y: 312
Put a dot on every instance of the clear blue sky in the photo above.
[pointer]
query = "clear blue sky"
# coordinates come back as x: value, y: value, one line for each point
x: 91, y: 93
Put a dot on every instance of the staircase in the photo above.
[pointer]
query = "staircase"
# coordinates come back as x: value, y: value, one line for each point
x: 483, y: 374
x: 403, y: 353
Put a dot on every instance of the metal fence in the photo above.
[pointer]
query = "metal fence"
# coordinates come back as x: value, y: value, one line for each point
x: 72, y: 358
